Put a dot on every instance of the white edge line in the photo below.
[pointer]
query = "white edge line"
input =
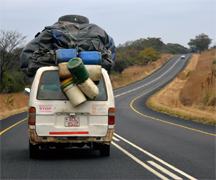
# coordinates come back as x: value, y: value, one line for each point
x: 114, y: 138
x: 156, y: 158
x: 164, y: 170
x: 140, y: 162
x: 148, y: 82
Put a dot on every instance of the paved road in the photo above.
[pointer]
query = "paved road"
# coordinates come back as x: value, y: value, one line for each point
x: 146, y: 145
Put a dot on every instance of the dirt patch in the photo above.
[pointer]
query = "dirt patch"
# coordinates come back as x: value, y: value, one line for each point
x: 13, y: 103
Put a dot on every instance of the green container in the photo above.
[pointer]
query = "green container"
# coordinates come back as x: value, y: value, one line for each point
x: 78, y: 70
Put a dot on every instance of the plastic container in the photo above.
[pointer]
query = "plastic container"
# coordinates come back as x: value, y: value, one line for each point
x: 95, y: 72
x: 62, y: 87
x: 64, y: 55
x: 74, y: 94
x: 63, y: 71
x: 91, y: 57
x: 89, y: 88
x: 66, y: 81
x: 78, y: 70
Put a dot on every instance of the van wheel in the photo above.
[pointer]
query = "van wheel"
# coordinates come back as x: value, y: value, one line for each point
x: 33, y: 151
x: 104, y: 150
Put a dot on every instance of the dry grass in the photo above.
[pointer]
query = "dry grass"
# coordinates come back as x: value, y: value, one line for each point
x: 200, y: 88
x: 169, y: 99
x: 13, y: 103
x: 135, y: 73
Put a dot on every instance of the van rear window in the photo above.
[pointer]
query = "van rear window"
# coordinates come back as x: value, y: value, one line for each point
x: 50, y: 88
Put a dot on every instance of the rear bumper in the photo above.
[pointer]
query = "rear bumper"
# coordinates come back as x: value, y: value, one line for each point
x: 35, y: 139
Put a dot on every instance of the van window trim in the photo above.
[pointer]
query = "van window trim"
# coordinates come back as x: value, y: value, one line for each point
x: 39, y: 85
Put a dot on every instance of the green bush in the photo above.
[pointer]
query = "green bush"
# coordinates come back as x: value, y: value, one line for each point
x: 214, y: 62
x: 188, y: 74
x: 14, y: 81
x: 121, y: 62
x: 9, y: 101
x: 18, y: 87
x: 7, y: 83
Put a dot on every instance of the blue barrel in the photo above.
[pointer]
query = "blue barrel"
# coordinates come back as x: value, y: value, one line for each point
x: 64, y: 55
x: 91, y: 57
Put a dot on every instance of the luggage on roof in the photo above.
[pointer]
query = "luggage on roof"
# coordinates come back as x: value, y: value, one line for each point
x: 41, y: 51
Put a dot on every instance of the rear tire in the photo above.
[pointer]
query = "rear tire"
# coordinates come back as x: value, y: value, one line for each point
x: 33, y: 151
x: 104, y: 150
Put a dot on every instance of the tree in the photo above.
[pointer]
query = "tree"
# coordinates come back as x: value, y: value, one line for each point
x: 200, y: 43
x: 156, y: 43
x: 132, y: 53
x: 142, y: 43
x: 11, y: 45
x: 214, y: 46
x: 121, y: 62
x: 177, y: 49
x: 132, y: 56
x: 148, y: 55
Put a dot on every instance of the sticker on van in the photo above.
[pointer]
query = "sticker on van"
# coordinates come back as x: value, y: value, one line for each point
x: 45, y: 108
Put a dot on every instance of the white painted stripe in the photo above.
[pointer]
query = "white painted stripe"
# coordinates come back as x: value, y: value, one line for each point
x: 114, y: 138
x: 148, y: 82
x: 156, y: 158
x: 164, y: 170
x: 140, y: 162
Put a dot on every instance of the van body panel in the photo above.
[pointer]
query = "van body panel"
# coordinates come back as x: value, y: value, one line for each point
x: 54, y: 116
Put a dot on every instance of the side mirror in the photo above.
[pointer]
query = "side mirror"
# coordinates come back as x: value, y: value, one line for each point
x: 27, y: 91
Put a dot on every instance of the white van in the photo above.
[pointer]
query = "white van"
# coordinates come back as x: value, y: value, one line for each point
x: 54, y: 122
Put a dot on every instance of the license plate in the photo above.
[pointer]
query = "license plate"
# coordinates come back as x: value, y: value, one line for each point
x: 72, y: 121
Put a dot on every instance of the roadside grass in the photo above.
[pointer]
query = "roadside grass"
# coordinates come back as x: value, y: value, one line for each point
x: 13, y: 103
x: 200, y: 88
x: 136, y: 72
x: 184, y: 98
x: 182, y: 112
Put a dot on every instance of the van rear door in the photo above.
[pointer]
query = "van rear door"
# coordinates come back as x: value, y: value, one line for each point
x: 55, y: 115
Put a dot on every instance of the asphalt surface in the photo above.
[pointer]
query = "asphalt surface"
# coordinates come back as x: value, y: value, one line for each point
x: 146, y: 144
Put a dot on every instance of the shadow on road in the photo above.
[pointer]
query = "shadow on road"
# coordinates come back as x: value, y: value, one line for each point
x: 69, y: 153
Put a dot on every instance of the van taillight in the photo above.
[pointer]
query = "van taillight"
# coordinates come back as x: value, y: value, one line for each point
x: 111, y: 116
x: 32, y: 116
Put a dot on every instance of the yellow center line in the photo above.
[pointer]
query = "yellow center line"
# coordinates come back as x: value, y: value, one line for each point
x: 12, y: 126
x: 131, y: 105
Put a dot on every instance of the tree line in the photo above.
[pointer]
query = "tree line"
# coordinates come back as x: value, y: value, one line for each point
x: 12, y: 79
x: 141, y: 52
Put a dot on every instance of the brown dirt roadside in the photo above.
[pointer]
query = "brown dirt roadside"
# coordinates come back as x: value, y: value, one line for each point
x: 168, y: 101
x: 13, y: 103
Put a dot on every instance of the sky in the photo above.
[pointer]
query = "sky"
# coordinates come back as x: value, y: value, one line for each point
x: 174, y: 21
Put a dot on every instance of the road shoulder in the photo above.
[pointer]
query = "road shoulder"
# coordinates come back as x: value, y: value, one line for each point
x: 167, y: 99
